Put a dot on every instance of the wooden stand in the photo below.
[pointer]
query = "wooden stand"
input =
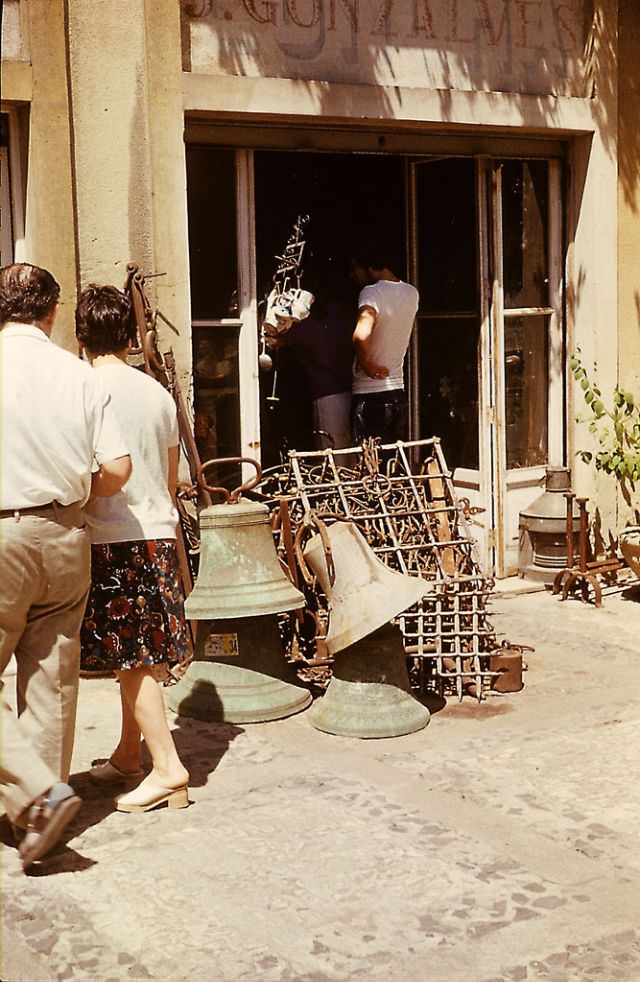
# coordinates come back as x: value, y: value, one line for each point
x: 585, y: 574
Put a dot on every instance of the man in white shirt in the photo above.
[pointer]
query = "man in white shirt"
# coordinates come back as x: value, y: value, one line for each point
x: 386, y: 312
x: 60, y: 442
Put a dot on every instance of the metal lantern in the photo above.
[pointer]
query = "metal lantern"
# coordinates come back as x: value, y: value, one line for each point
x: 543, y: 529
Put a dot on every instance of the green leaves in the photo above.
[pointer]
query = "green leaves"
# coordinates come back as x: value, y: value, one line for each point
x: 616, y: 429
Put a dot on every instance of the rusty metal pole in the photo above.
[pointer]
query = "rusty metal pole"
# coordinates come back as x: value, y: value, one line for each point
x: 569, y: 495
x: 583, y: 533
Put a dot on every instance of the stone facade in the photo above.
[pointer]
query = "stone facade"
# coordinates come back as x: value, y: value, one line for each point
x: 98, y: 98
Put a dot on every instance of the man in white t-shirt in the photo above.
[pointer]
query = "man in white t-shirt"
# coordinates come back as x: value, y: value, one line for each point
x: 59, y: 442
x: 386, y: 312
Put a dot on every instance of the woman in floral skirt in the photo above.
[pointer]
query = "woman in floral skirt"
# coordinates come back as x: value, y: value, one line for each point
x: 134, y: 622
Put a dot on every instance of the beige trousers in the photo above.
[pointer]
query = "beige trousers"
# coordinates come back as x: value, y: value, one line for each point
x: 45, y: 568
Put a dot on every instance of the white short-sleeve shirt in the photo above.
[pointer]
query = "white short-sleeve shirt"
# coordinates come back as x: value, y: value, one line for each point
x: 143, y: 509
x: 56, y: 424
x: 395, y: 303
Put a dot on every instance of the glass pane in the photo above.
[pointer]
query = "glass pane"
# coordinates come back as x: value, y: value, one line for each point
x: 446, y: 216
x: 6, y: 230
x: 448, y: 366
x: 211, y: 203
x: 217, y: 397
x: 525, y: 214
x: 526, y: 390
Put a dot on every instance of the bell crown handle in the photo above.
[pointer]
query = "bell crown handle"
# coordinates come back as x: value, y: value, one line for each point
x: 313, y: 521
x: 231, y: 497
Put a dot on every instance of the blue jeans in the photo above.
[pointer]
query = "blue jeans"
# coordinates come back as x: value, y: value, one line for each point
x: 381, y: 414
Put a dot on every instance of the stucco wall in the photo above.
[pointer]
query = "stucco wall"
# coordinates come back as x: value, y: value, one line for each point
x: 49, y: 207
x: 629, y: 210
x: 532, y: 46
x: 125, y: 85
x: 629, y: 196
x: 15, y: 32
x: 110, y: 112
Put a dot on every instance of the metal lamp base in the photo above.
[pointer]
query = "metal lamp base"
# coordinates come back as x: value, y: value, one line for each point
x: 368, y: 696
x: 239, y: 675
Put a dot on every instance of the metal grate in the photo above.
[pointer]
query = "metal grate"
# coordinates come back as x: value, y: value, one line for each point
x: 402, y: 498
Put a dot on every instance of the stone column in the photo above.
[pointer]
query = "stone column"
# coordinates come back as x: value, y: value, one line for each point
x: 50, y: 239
x: 109, y: 105
x: 169, y: 178
x: 127, y: 115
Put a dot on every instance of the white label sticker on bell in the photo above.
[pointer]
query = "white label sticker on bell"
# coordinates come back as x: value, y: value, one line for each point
x: 221, y: 646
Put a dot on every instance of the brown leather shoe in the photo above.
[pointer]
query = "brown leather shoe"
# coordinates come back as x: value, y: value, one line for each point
x: 47, y: 818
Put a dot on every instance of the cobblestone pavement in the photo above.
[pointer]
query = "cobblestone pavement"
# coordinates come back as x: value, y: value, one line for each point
x: 500, y: 843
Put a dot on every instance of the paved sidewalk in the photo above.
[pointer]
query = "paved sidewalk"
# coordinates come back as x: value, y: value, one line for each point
x: 499, y: 843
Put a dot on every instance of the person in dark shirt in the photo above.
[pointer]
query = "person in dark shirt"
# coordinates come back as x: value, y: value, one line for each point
x: 324, y: 350
x: 322, y: 346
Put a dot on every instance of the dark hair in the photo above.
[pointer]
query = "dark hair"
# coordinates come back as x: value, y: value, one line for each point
x: 104, y: 319
x: 27, y: 293
x: 375, y: 254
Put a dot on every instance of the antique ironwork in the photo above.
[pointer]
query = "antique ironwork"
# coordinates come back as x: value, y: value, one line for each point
x: 402, y: 498
x: 162, y: 367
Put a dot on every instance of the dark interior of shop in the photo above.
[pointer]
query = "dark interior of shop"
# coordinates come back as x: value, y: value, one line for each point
x: 348, y: 199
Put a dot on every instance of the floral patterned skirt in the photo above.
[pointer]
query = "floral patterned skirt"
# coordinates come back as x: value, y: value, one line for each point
x: 135, y: 610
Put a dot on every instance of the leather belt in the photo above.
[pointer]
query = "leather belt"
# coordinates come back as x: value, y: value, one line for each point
x: 35, y: 510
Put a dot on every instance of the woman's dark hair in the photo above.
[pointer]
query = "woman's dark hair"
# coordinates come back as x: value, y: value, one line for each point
x: 105, y: 321
x: 27, y: 293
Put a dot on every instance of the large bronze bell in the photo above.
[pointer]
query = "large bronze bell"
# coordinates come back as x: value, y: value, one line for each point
x: 365, y: 593
x: 239, y: 573
x: 239, y: 673
x: 368, y: 696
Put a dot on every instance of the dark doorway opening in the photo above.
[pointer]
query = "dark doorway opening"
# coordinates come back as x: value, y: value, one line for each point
x: 348, y: 197
x: 447, y: 334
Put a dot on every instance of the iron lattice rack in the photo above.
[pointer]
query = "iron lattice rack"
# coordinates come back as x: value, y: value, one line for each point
x: 401, y: 496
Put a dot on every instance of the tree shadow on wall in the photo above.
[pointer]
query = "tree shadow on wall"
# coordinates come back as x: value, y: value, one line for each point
x: 486, y: 46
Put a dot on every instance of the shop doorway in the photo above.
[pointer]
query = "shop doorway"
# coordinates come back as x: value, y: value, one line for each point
x: 480, y: 237
x: 348, y: 199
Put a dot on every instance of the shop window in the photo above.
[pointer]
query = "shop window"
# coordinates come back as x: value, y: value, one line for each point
x: 6, y: 221
x: 526, y: 390
x: 211, y: 200
x: 211, y: 204
x: 525, y: 209
x: 526, y: 277
x: 448, y: 324
x: 216, y: 383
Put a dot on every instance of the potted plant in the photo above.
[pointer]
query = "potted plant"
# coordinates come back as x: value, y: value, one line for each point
x: 615, y: 426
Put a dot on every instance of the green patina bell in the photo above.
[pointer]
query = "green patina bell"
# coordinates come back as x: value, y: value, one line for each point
x: 240, y: 574
x: 239, y: 673
x: 368, y: 696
